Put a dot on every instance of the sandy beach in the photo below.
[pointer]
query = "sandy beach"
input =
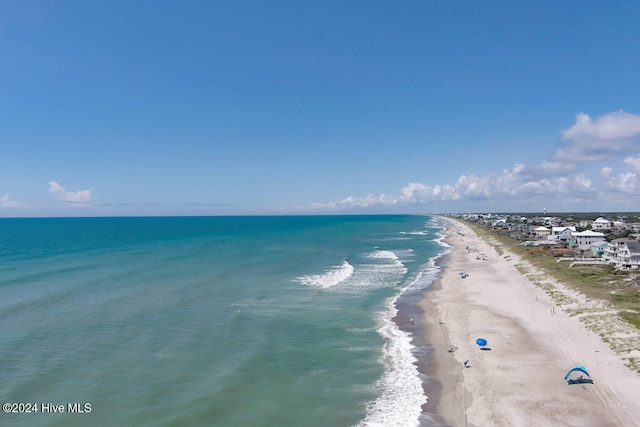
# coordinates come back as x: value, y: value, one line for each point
x: 519, y: 380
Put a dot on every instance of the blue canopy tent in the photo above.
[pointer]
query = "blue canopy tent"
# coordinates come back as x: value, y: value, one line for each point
x: 581, y: 379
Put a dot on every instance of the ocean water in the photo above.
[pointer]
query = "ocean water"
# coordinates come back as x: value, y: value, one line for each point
x: 212, y: 321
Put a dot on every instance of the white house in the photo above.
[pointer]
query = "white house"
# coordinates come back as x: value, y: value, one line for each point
x: 541, y: 232
x: 585, y: 239
x: 562, y: 233
x: 601, y: 224
x: 552, y: 221
x: 629, y: 256
x: 624, y: 254
x: 499, y: 223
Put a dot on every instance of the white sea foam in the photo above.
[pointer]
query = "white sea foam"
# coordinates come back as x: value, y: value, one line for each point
x: 441, y: 240
x: 404, y: 254
x: 380, y: 254
x: 332, y: 277
x: 415, y: 233
x: 382, y: 271
x: 392, y: 262
x: 401, y: 394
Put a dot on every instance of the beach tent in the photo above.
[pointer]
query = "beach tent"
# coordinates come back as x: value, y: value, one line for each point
x: 580, y: 380
x: 481, y: 342
x: 578, y: 368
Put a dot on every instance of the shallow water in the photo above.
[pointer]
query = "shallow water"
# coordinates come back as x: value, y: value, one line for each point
x: 225, y: 321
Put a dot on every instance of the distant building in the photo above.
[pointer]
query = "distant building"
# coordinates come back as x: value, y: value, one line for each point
x: 555, y: 221
x: 619, y: 226
x: 601, y: 224
x: 598, y: 249
x: 499, y: 223
x: 541, y: 232
x: 552, y: 221
x: 562, y: 233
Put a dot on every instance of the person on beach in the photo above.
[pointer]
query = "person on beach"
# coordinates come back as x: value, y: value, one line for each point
x: 466, y: 363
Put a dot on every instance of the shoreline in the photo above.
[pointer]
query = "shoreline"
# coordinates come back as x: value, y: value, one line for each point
x: 411, y: 307
x: 441, y: 366
x: 520, y: 381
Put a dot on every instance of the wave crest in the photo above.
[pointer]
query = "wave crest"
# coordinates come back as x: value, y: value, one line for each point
x: 332, y: 277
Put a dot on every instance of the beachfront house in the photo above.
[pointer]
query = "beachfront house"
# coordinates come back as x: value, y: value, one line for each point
x: 601, y: 224
x: 585, y: 239
x: 623, y: 253
x: 629, y: 256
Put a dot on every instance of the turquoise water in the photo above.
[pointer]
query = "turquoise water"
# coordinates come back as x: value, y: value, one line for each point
x: 212, y: 321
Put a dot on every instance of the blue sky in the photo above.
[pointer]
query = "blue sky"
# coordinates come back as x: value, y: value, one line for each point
x: 297, y: 107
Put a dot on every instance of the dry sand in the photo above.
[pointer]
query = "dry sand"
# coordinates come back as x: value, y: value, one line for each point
x: 520, y: 380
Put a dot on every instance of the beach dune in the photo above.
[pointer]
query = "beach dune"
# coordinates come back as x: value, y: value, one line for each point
x: 518, y: 378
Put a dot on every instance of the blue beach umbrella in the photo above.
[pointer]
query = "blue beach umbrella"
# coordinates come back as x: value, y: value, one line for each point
x: 481, y: 342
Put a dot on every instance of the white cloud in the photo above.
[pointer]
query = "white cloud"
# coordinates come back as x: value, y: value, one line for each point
x: 551, y: 167
x: 370, y: 201
x: 623, y: 183
x: 558, y: 177
x: 583, y: 182
x: 511, y: 180
x: 516, y: 185
x: 6, y: 202
x: 634, y: 163
x: 76, y: 197
x: 603, y: 138
x: 416, y: 192
x: 626, y: 183
x: 615, y: 125
x: 473, y: 187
